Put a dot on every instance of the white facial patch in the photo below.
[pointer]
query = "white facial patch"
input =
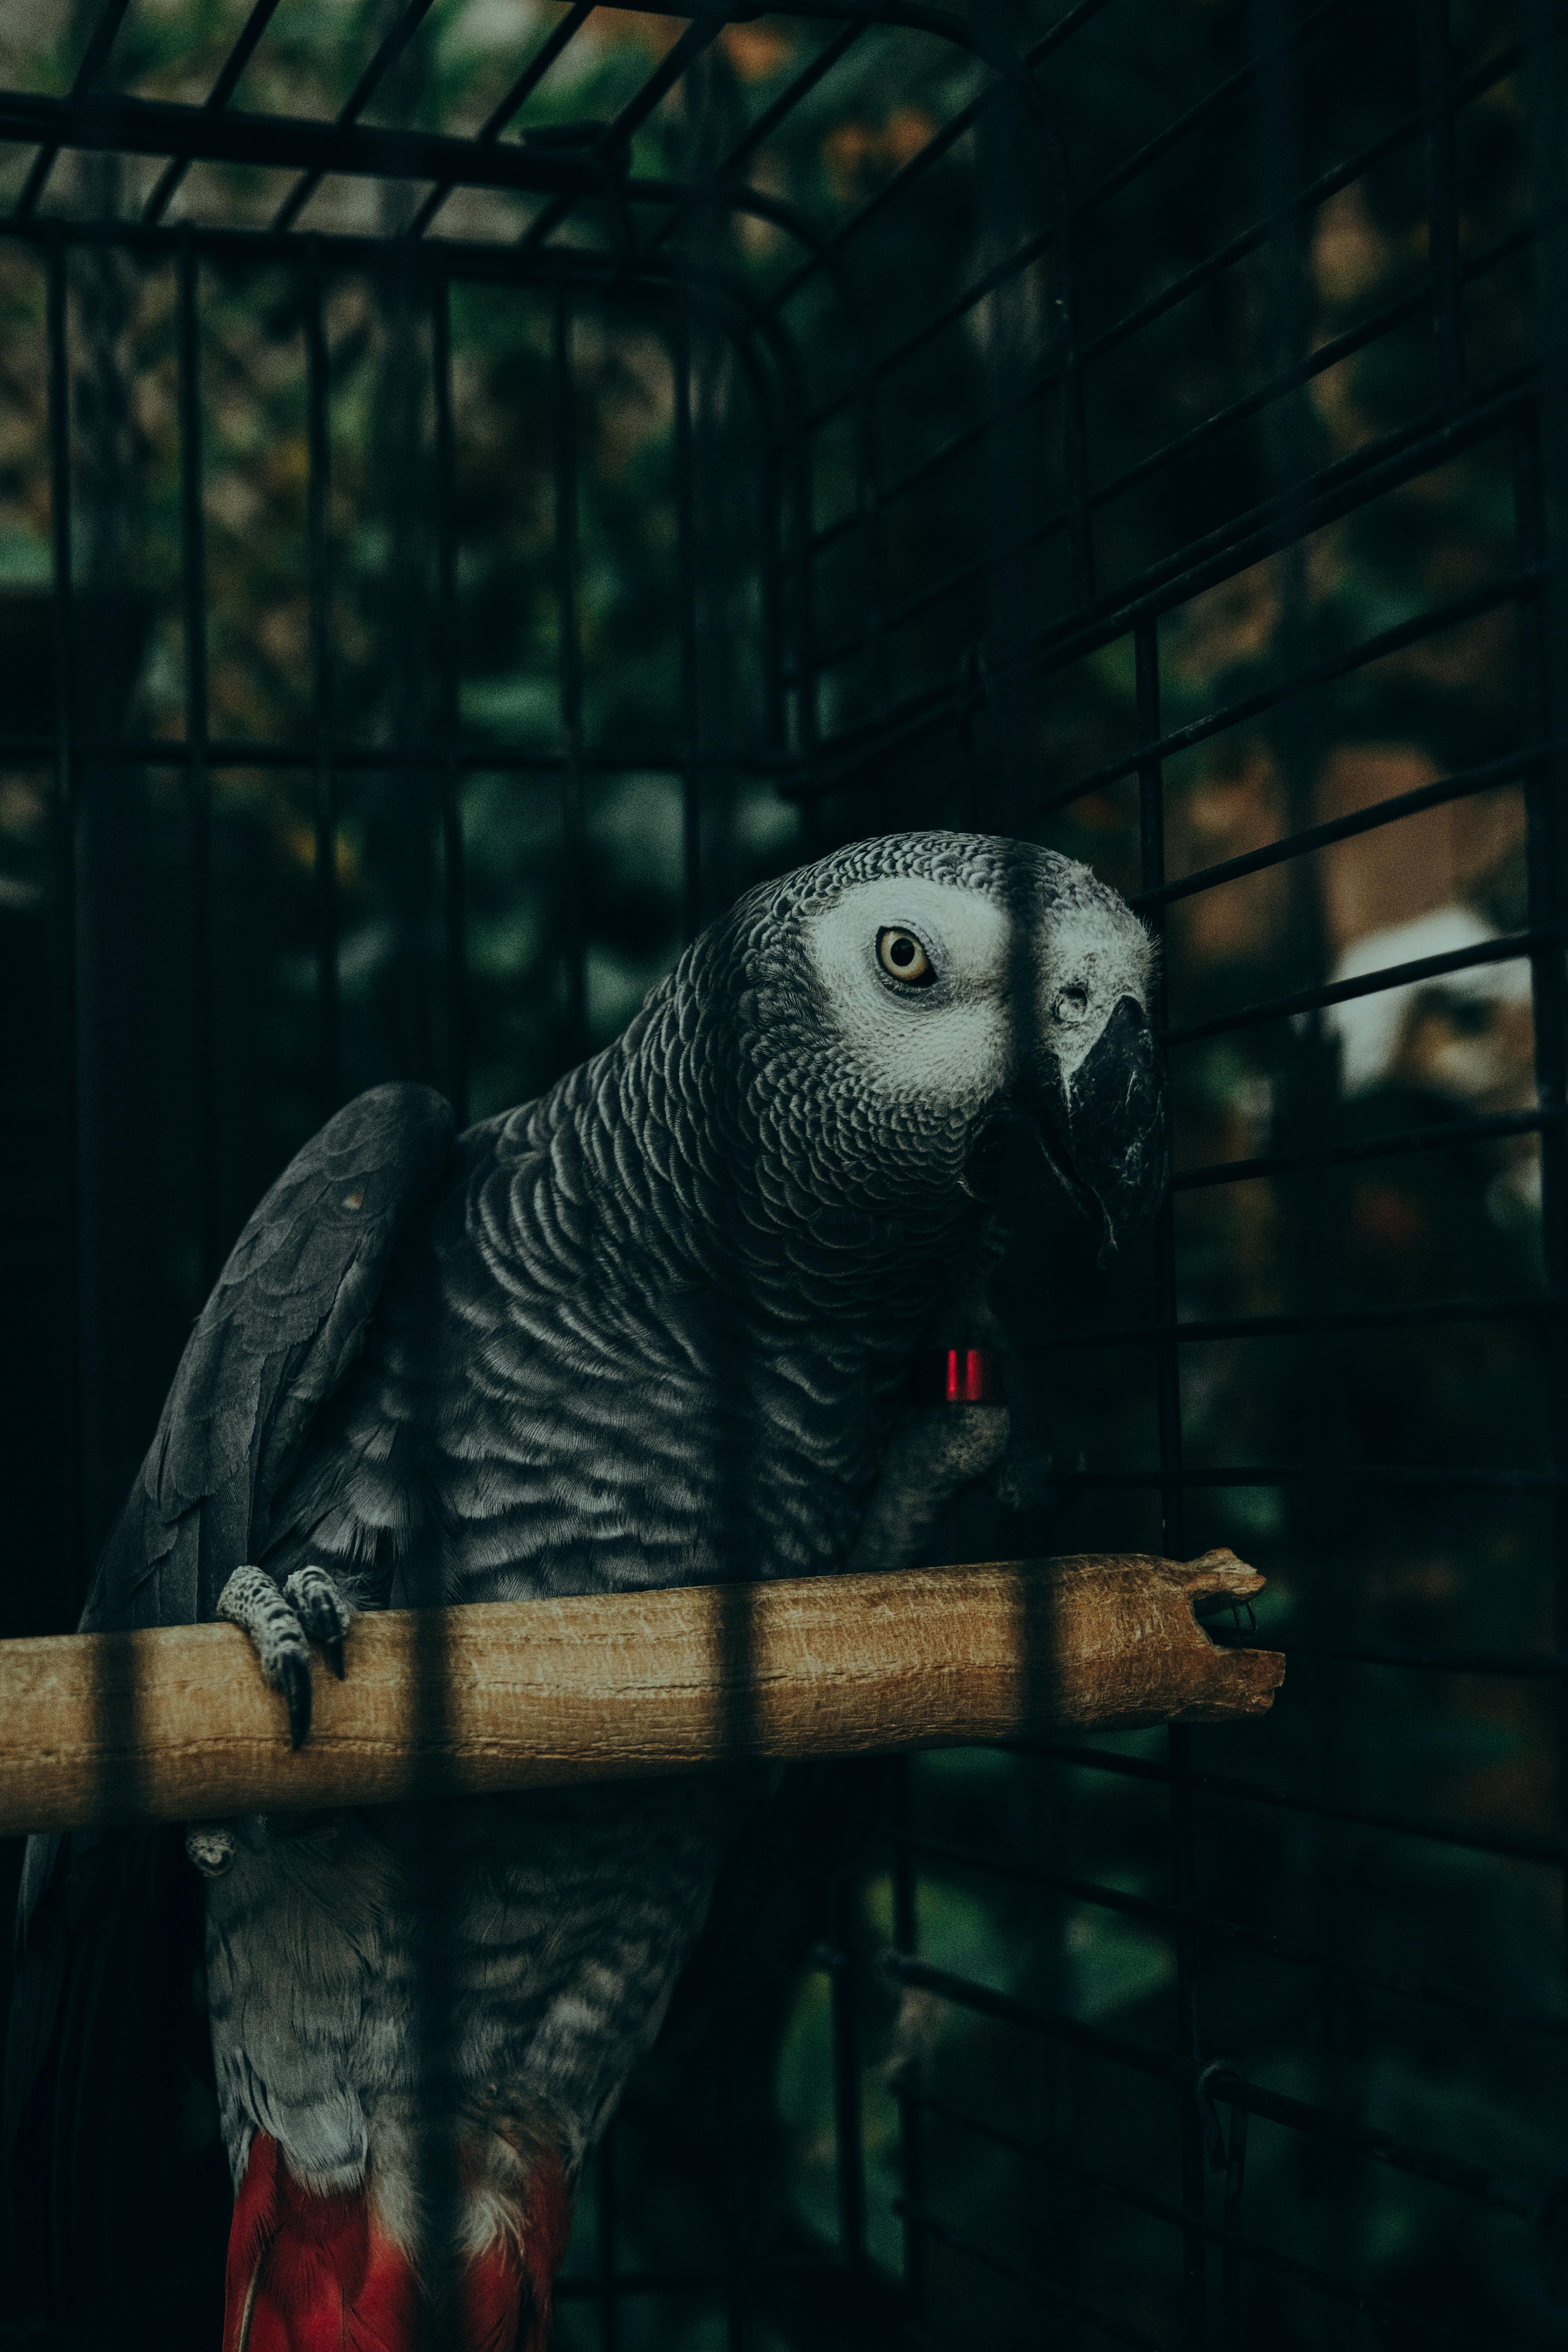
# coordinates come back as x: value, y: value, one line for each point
x: 998, y: 1000
x: 950, y: 1041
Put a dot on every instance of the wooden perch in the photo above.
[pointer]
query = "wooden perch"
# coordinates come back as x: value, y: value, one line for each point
x: 177, y: 1724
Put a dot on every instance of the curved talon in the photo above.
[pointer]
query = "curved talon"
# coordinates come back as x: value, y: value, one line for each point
x: 282, y: 1624
x: 322, y: 1610
x: 294, y: 1679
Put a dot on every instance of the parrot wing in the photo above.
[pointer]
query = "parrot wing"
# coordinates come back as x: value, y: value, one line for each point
x: 97, y: 1929
x: 286, y: 1320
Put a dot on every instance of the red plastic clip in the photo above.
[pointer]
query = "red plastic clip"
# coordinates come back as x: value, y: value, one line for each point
x: 957, y: 1376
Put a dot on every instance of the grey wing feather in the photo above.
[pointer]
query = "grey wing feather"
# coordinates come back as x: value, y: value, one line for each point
x: 286, y: 1320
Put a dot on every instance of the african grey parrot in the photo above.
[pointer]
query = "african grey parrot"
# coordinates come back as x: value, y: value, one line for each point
x: 654, y: 1329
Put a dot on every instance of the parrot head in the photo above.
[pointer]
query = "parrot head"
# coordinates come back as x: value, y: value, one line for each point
x: 945, y: 1016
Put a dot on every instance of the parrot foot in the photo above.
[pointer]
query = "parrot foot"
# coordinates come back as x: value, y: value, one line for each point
x: 322, y: 1610
x: 211, y: 1845
x: 282, y: 1625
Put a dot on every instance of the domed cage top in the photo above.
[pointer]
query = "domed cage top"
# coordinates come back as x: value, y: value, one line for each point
x: 478, y: 486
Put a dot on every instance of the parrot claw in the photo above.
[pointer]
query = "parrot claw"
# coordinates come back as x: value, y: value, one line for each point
x: 211, y: 1846
x: 323, y: 1613
x: 282, y: 1625
x: 291, y: 1675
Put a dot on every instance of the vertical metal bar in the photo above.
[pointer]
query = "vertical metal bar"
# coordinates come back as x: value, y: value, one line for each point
x: 1305, y: 1098
x: 848, y: 2135
x: 399, y: 811
x: 83, y: 1421
x: 1542, y: 495
x: 869, y: 515
x: 1545, y: 894
x: 435, y: 1883
x: 1006, y: 440
x: 732, y: 2028
x: 326, y: 853
x: 606, y: 2197
x: 454, y: 893
x: 402, y: 801
x: 912, y: 2141
x: 1173, y: 1535
x: 733, y: 1482
x: 571, y: 666
x: 1234, y: 2182
x: 775, y: 720
x: 795, y: 461
x: 686, y: 495
x: 194, y: 584
x: 1442, y: 214
x: 1152, y: 845
x: 764, y: 508
x: 1074, y: 428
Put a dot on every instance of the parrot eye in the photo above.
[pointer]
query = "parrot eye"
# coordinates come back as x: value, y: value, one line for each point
x: 901, y: 957
x: 1071, y: 1006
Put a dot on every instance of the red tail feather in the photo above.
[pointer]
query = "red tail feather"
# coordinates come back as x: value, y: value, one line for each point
x: 310, y: 2274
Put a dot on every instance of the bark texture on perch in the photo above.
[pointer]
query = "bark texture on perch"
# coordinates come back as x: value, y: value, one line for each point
x: 177, y: 1724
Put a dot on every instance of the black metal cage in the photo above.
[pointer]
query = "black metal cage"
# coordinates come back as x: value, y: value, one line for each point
x: 473, y: 494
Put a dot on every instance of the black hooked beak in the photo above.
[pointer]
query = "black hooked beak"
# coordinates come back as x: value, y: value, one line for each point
x: 1101, y: 1134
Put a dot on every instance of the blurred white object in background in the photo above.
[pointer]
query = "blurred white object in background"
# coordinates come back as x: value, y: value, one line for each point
x: 1467, y: 1036
x: 1392, y: 1037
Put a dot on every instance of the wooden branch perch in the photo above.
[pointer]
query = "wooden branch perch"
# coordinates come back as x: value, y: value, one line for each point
x: 178, y: 1724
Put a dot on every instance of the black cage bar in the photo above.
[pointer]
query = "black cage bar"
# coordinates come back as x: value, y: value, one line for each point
x: 472, y: 497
